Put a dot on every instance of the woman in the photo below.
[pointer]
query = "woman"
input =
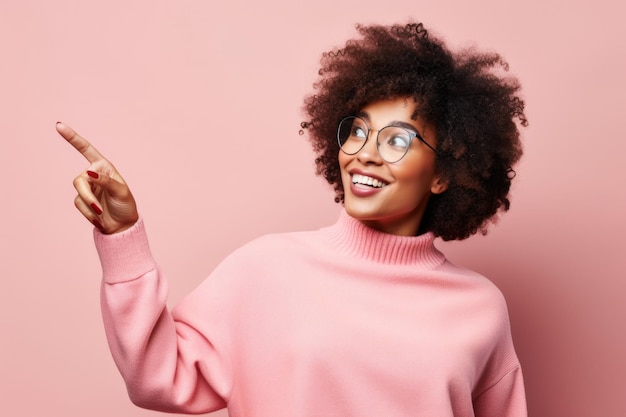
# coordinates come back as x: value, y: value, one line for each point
x: 362, y: 318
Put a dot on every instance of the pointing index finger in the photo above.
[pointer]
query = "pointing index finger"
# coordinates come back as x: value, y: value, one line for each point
x: 81, y: 144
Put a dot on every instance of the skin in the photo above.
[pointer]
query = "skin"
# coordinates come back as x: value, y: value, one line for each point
x: 398, y: 207
x: 103, y: 196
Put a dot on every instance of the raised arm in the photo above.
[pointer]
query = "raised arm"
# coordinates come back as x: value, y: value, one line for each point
x: 167, y: 364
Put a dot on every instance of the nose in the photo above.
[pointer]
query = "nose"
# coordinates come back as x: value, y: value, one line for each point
x: 369, y: 152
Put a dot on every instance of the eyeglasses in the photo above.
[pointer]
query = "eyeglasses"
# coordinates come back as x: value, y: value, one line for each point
x: 393, y: 142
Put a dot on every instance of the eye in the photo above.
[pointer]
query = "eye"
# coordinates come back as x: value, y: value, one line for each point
x: 359, y: 131
x: 399, y: 141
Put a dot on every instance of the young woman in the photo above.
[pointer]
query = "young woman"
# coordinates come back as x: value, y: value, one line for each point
x: 362, y: 318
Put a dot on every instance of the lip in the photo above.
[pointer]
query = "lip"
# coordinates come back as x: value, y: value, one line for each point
x: 360, y: 190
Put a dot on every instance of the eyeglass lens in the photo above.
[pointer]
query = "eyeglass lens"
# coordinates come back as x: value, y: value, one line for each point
x: 393, y: 142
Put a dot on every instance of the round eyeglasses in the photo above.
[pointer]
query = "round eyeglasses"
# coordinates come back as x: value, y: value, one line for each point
x: 393, y: 142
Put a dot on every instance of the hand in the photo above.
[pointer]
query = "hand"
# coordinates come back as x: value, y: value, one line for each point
x: 103, y: 196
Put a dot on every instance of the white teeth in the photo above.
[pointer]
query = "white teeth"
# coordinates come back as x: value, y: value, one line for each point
x: 363, y: 179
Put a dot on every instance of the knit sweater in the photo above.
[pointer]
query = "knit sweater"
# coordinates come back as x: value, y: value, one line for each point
x: 343, y: 321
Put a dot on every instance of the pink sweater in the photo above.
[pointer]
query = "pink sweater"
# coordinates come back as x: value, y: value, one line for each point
x: 344, y: 321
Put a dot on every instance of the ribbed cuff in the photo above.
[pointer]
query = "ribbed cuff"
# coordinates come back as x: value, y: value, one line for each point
x: 126, y: 255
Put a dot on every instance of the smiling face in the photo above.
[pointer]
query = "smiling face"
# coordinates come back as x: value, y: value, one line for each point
x: 385, y: 196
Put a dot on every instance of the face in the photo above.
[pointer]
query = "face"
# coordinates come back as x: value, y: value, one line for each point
x: 397, y: 194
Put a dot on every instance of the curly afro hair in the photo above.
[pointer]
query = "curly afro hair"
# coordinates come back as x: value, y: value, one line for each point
x: 473, y: 108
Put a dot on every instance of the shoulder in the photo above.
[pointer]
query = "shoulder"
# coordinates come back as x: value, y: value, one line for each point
x: 268, y: 249
x: 479, y: 293
x: 471, y: 278
x: 268, y: 258
x: 291, y: 241
x: 480, y: 306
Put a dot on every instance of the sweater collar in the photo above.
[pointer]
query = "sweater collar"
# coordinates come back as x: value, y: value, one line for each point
x: 353, y: 238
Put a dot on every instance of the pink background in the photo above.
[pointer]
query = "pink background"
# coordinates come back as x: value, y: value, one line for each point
x: 198, y: 105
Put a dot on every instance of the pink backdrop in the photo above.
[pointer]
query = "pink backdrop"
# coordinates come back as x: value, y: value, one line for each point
x: 199, y: 107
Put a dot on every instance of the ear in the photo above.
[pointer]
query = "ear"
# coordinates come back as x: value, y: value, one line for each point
x: 438, y: 186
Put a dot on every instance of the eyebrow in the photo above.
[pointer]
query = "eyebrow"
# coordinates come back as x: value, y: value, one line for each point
x: 395, y: 123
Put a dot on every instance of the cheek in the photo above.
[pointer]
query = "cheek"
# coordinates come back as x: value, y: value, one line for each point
x: 343, y: 160
x: 418, y: 173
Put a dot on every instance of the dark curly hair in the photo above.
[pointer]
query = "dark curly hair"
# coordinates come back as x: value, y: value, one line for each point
x: 472, y: 108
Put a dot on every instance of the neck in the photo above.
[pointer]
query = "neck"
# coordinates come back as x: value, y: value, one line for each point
x: 401, y: 225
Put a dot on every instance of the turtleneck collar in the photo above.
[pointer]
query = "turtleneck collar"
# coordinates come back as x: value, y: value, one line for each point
x: 351, y: 237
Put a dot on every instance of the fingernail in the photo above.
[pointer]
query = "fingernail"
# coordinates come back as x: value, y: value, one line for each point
x: 95, y: 208
x: 97, y: 224
x: 93, y: 174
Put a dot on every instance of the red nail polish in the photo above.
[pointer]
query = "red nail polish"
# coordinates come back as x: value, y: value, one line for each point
x: 95, y: 208
x: 97, y: 224
x: 93, y: 174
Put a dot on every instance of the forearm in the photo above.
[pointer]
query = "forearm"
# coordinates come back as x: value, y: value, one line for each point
x: 157, y: 357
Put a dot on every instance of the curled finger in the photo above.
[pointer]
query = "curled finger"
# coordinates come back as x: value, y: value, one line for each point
x: 87, y: 190
x: 87, y: 211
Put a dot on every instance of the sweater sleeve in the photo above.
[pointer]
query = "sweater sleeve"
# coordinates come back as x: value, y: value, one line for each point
x: 167, y: 364
x: 506, y: 398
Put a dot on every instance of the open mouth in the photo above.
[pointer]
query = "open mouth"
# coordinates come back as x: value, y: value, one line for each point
x: 369, y: 181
